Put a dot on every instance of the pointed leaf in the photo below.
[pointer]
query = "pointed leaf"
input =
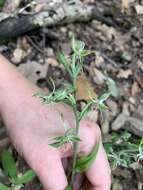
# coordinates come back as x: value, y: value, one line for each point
x: 112, y: 87
x: 4, y: 187
x: 74, y: 138
x: 101, y: 106
x: 25, y: 178
x: 86, y: 52
x: 67, y: 138
x: 62, y: 59
x: 8, y: 164
x: 56, y: 144
x: 2, y: 3
x: 77, y: 45
x: 68, y: 187
x: 85, y: 162
x: 104, y: 97
x: 85, y: 111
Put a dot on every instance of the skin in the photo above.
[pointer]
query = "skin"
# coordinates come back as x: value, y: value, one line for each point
x: 31, y: 126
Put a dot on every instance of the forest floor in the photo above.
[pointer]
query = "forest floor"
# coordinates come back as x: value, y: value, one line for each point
x: 118, y: 54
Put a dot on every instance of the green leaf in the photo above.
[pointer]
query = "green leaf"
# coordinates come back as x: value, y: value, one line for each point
x: 25, y: 178
x: 104, y: 97
x: 78, y: 69
x: 102, y: 107
x: 112, y: 87
x: 68, y: 187
x: 120, y: 151
x: 85, y: 110
x: 85, y: 162
x: 4, y: 187
x: 140, y: 150
x: 77, y: 45
x: 86, y: 52
x: 62, y: 95
x: 8, y: 164
x: 62, y: 59
x: 56, y: 144
x: 66, y: 138
x: 69, y: 137
x: 2, y: 3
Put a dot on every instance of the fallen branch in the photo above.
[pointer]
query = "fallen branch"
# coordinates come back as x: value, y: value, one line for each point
x: 68, y: 12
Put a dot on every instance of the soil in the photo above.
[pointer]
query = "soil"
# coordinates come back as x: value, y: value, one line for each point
x: 119, y: 53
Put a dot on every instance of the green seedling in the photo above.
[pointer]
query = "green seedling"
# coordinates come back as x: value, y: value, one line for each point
x: 10, y: 172
x: 112, y: 87
x: 122, y: 151
x: 140, y: 150
x: 74, y: 67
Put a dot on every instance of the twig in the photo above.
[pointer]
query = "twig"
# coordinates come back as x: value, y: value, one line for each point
x: 110, y: 60
x: 66, y: 13
x: 34, y: 44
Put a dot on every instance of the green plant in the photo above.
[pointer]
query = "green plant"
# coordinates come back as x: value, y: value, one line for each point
x: 112, y: 87
x: 11, y: 173
x: 74, y: 66
x: 140, y: 151
x: 2, y: 3
x: 122, y: 150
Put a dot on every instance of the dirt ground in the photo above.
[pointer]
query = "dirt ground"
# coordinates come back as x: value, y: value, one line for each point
x: 118, y: 53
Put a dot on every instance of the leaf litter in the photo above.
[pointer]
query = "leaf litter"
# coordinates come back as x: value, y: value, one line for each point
x: 118, y: 52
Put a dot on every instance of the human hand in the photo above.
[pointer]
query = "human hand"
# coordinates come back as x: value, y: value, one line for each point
x: 31, y: 125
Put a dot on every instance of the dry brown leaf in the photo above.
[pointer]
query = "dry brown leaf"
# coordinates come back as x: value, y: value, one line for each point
x: 139, y: 9
x: 124, y: 73
x: 22, y: 50
x: 139, y: 77
x: 125, y: 5
x: 99, y: 59
x: 135, y: 88
x: 85, y: 89
x: 24, y: 44
x: 53, y: 62
x: 108, y: 32
x: 113, y: 106
x: 18, y: 55
x: 105, y: 122
x: 140, y: 65
x: 33, y: 71
x: 126, y: 108
x: 99, y: 77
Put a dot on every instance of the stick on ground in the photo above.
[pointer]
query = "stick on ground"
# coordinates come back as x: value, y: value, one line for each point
x: 67, y: 12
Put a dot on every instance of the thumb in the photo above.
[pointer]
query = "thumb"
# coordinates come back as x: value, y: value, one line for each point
x: 49, y: 168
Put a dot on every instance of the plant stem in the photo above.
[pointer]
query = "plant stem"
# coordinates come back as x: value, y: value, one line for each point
x: 75, y: 146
